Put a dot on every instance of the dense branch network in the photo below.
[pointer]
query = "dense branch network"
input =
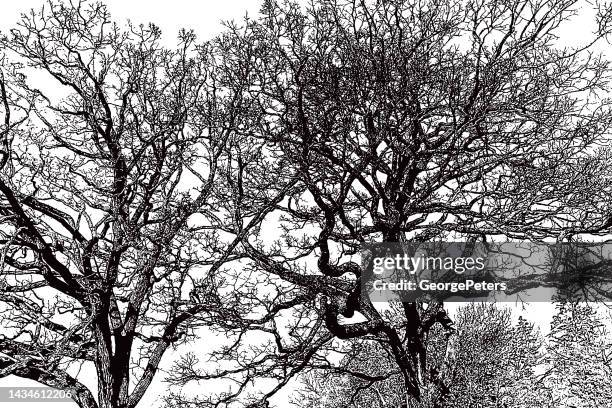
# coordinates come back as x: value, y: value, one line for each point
x: 151, y: 195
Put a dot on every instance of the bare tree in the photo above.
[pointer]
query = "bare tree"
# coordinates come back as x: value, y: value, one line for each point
x: 146, y: 192
x: 112, y: 149
x: 578, y: 357
x: 400, y: 121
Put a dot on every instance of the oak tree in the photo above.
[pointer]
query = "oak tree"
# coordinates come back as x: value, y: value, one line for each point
x: 112, y: 145
x: 397, y: 121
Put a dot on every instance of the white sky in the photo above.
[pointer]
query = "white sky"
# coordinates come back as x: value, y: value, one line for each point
x: 205, y: 18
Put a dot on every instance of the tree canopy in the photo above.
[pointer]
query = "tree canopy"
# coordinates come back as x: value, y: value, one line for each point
x: 147, y: 192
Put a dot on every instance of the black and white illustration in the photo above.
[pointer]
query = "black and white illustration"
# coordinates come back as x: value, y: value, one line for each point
x: 273, y: 203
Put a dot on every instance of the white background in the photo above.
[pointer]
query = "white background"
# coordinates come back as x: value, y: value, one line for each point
x: 204, y: 17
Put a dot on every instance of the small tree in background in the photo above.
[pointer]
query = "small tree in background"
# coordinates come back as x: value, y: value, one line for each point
x: 494, y: 361
x: 579, y: 358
